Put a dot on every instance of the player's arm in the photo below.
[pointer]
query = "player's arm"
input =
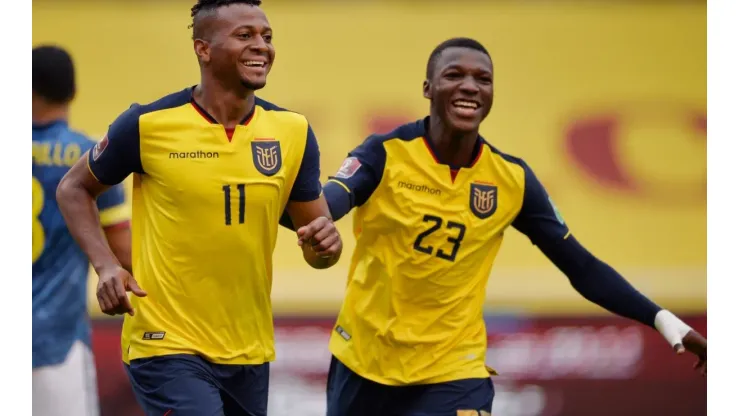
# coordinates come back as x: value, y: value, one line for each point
x: 115, y: 220
x: 108, y: 164
x: 591, y: 277
x: 355, y: 181
x: 307, y: 209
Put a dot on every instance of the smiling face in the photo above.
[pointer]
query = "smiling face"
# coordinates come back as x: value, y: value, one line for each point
x: 237, y: 45
x: 461, y: 87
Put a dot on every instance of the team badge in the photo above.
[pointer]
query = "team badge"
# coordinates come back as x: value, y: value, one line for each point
x: 349, y: 167
x: 99, y: 148
x: 483, y: 199
x: 266, y: 156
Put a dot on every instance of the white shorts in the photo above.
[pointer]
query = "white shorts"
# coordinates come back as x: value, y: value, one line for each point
x: 69, y: 388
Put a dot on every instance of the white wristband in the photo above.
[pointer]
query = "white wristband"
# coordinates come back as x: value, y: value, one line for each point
x: 672, y: 328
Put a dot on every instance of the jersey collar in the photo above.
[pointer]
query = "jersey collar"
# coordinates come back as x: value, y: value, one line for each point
x: 202, y: 111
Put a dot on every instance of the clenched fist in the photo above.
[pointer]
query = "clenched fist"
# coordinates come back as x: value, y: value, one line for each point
x: 321, y: 238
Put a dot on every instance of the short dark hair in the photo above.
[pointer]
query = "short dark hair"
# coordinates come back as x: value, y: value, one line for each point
x: 203, y: 7
x: 53, y: 74
x: 453, y: 43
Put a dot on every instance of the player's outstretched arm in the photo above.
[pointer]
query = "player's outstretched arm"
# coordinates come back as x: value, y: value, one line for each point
x: 594, y: 279
x: 107, y: 164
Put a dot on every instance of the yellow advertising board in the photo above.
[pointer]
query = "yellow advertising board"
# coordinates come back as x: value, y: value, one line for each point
x: 606, y: 102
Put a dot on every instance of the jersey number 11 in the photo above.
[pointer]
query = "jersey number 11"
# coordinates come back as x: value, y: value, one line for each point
x: 227, y: 202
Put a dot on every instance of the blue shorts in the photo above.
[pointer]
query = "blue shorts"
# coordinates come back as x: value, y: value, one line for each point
x: 348, y: 394
x: 188, y: 385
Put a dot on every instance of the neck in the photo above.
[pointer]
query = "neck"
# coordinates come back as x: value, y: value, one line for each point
x: 45, y: 114
x: 453, y: 147
x: 229, y: 106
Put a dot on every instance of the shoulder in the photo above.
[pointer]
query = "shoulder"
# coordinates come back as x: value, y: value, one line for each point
x: 176, y: 99
x: 372, y: 151
x: 513, y: 163
x: 405, y: 132
x: 173, y: 100
x: 282, y: 114
x: 129, y: 120
x: 505, y: 157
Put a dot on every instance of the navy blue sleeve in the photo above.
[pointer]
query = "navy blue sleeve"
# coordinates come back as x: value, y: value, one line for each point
x: 361, y: 171
x: 336, y: 197
x: 118, y: 155
x: 307, y: 186
x: 355, y: 181
x: 595, y: 280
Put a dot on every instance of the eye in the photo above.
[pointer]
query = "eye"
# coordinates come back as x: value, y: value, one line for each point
x: 485, y: 80
x: 267, y: 38
x: 453, y: 75
x: 245, y: 35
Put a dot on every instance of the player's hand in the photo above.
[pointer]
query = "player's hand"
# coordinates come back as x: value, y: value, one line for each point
x: 696, y: 344
x: 323, y: 237
x: 113, y: 283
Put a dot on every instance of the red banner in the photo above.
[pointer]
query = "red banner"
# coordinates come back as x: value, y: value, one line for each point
x: 549, y: 367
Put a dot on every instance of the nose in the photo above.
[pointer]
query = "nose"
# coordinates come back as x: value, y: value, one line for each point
x: 469, y: 86
x: 259, y: 45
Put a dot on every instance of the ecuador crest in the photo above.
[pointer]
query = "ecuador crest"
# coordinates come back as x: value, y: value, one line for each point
x: 267, y: 156
x: 483, y: 199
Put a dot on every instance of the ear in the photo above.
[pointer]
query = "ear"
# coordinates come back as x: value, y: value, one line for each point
x: 427, y: 89
x: 202, y: 50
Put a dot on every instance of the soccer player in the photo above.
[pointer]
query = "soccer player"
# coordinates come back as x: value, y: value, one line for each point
x: 433, y: 201
x: 64, y: 381
x: 214, y: 167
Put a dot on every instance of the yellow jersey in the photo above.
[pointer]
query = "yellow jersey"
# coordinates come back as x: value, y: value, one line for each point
x: 427, y: 236
x: 205, y: 210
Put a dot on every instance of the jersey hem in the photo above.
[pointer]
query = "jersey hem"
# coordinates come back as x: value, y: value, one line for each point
x: 455, y: 376
x: 238, y: 361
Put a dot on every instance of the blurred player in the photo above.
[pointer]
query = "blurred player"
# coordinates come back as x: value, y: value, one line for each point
x: 63, y: 368
x: 433, y: 201
x: 214, y: 167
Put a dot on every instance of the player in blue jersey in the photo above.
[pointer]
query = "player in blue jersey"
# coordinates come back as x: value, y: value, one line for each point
x: 64, y: 381
x: 433, y: 200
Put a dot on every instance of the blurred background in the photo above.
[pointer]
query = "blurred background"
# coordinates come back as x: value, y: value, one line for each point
x: 606, y: 100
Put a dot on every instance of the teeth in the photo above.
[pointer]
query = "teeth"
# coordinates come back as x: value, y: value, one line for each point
x: 464, y: 103
x: 255, y: 63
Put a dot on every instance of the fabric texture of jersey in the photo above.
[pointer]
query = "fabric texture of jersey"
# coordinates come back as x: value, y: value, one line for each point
x: 60, y: 267
x: 426, y: 243
x: 206, y: 204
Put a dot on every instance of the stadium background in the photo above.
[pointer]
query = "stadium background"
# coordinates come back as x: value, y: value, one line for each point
x: 606, y: 100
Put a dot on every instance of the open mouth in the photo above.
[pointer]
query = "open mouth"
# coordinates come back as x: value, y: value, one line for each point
x: 254, y: 64
x: 465, y: 108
